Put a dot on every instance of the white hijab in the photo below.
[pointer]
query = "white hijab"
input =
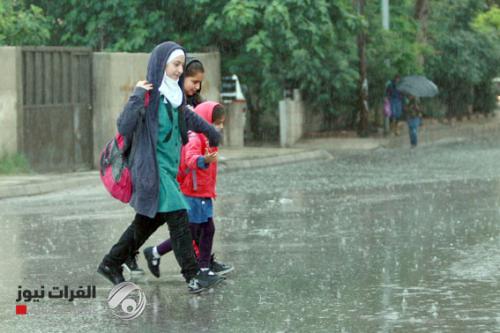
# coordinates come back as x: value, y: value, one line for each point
x: 169, y: 87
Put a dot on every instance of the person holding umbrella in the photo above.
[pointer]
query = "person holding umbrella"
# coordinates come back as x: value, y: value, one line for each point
x: 416, y: 86
x: 413, y: 118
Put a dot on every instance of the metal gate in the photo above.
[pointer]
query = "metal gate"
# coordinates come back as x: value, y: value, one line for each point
x: 57, y: 108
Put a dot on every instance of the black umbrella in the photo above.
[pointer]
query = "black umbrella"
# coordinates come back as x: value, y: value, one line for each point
x: 418, y: 86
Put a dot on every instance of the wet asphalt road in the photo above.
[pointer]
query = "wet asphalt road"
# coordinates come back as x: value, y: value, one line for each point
x: 385, y: 241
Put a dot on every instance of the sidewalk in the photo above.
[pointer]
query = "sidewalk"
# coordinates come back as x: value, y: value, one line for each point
x: 433, y: 131
x: 230, y: 159
x: 343, y: 144
x: 233, y: 159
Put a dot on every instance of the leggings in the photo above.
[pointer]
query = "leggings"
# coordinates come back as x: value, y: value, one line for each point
x: 203, y: 234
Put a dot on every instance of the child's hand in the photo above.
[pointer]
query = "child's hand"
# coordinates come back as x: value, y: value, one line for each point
x: 145, y: 85
x: 210, y: 157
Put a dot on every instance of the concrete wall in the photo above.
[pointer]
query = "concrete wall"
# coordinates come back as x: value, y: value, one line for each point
x: 234, y: 126
x: 291, y: 119
x: 115, y: 76
x: 9, y: 101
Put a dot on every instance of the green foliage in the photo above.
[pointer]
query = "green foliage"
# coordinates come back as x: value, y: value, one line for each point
x: 21, y: 25
x: 464, y: 59
x: 280, y: 45
x: 488, y: 22
x: 273, y: 45
x: 14, y: 164
x: 393, y: 51
x: 123, y: 25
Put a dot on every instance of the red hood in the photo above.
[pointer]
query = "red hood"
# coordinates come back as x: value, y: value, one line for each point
x: 205, y: 110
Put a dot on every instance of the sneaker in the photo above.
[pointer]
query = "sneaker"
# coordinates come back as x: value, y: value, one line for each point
x: 194, y: 286
x: 131, y: 265
x: 219, y: 267
x: 153, y: 263
x: 203, y: 280
x: 114, y: 275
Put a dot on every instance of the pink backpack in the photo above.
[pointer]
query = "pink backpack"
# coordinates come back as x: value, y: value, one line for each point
x: 114, y: 168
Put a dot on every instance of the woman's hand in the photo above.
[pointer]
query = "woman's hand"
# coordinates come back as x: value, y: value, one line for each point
x: 145, y: 85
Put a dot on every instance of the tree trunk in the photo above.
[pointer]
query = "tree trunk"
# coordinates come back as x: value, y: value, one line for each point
x: 254, y: 110
x: 363, y: 81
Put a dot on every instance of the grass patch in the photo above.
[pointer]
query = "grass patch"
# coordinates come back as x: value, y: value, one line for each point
x: 14, y: 164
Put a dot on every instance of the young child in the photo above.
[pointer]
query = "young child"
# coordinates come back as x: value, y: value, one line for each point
x: 197, y: 177
x: 158, y: 132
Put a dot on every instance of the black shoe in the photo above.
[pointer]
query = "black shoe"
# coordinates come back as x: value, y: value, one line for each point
x: 219, y: 267
x: 113, y: 274
x: 203, y: 280
x: 153, y: 263
x: 131, y: 266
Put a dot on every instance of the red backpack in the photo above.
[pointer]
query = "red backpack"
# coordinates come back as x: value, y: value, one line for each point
x: 114, y: 168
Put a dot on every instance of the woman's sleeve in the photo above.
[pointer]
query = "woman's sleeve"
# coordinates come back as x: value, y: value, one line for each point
x: 127, y: 121
x: 197, y: 124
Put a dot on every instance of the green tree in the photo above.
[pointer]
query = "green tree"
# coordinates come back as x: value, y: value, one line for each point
x: 278, y: 45
x: 124, y: 25
x: 393, y: 51
x: 275, y: 45
x: 22, y: 25
x: 488, y: 22
x: 464, y: 59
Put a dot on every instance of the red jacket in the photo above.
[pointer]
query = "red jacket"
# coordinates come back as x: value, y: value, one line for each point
x: 195, y: 181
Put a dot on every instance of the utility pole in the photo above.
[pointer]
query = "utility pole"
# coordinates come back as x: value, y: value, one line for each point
x: 385, y: 14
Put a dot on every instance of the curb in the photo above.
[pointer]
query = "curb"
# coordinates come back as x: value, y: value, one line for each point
x: 46, y: 187
x: 229, y: 166
x: 53, y: 185
x: 431, y: 136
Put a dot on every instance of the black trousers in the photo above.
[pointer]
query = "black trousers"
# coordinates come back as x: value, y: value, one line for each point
x: 142, y: 227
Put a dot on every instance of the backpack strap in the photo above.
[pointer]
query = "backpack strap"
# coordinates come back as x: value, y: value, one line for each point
x: 202, y: 139
x: 171, y: 118
x: 203, y: 142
